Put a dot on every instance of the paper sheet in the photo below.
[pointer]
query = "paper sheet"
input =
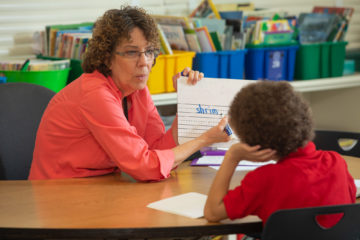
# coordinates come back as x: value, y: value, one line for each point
x: 217, y: 161
x: 188, y: 204
x: 201, y: 107
x: 238, y: 168
x: 357, y: 184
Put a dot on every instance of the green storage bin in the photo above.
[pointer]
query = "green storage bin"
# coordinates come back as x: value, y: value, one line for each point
x: 54, y: 80
x: 337, y: 58
x: 320, y: 60
x: 325, y: 49
x: 307, y: 61
x: 75, y: 67
x: 76, y: 70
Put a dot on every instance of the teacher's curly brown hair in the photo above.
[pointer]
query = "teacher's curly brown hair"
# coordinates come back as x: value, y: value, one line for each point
x: 110, y: 30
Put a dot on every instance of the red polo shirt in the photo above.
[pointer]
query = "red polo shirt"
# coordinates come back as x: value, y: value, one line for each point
x: 304, y: 178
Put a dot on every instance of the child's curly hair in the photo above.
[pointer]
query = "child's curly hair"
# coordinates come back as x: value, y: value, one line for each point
x: 271, y: 114
x: 110, y: 30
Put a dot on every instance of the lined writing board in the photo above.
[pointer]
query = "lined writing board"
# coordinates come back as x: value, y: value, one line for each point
x: 201, y: 107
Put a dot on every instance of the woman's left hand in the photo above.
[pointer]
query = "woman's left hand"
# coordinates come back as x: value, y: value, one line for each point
x: 193, y: 76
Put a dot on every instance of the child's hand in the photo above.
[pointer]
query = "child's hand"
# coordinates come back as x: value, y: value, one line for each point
x: 242, y: 151
x: 193, y: 76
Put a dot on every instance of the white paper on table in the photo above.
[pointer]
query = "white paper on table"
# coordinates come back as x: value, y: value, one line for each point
x: 357, y: 184
x: 238, y: 168
x: 215, y: 162
x: 188, y: 204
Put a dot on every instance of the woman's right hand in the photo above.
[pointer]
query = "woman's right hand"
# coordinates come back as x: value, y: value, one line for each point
x: 216, y: 134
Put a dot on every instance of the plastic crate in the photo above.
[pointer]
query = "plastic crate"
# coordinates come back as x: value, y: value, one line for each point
x: 75, y: 67
x: 270, y: 62
x: 54, y: 80
x: 160, y: 78
x: 320, y: 60
x: 221, y: 64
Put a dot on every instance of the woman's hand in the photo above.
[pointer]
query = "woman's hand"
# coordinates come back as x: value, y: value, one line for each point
x: 193, y: 76
x: 213, y: 135
x: 242, y: 151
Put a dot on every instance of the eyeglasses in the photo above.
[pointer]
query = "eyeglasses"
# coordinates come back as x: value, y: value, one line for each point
x: 150, y: 54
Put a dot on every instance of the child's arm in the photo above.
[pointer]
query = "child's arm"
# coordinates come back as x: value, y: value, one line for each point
x: 214, y: 208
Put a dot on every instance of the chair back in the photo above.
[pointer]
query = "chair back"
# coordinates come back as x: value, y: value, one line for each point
x: 329, y: 140
x: 301, y: 223
x: 21, y: 109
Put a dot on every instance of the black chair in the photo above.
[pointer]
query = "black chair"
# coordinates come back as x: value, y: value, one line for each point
x: 300, y: 224
x: 329, y: 140
x: 21, y: 109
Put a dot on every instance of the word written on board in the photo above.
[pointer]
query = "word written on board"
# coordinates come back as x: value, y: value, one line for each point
x: 206, y: 110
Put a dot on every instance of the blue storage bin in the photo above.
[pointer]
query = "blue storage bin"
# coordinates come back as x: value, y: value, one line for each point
x: 221, y: 64
x: 272, y: 63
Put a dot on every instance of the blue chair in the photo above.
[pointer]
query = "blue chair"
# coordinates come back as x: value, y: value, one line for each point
x: 21, y: 109
x: 300, y: 224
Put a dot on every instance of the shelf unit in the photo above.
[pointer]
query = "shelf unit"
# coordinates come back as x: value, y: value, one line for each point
x: 300, y: 86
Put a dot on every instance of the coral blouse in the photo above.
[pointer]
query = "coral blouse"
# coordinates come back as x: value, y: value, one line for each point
x: 84, y: 132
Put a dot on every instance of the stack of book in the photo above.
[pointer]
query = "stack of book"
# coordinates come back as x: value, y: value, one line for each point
x: 64, y: 41
x: 324, y: 24
x: 205, y: 30
x: 34, y: 65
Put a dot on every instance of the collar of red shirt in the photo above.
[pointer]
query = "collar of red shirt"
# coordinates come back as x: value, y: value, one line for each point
x: 308, y: 149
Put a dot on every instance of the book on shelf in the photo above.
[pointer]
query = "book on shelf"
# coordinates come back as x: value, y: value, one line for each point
x: 65, y: 41
x: 35, y: 65
x: 235, y: 37
x: 227, y: 40
x: 172, y: 20
x: 39, y: 43
x: 165, y: 47
x: 175, y: 36
x: 345, y: 13
x: 51, y: 33
x: 231, y: 15
x: 206, y: 9
x: 212, y: 24
x: 205, y: 40
x: 316, y: 27
x: 216, y: 40
x: 239, y: 40
x: 222, y: 7
x: 192, y: 40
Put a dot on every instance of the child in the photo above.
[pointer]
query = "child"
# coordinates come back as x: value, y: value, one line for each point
x: 274, y: 122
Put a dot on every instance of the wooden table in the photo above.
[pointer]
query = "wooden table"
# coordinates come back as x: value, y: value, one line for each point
x: 113, y: 206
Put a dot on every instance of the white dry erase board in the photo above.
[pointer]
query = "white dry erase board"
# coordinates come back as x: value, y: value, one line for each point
x: 201, y: 107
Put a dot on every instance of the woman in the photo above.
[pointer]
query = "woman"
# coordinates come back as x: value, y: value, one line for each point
x: 105, y: 120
